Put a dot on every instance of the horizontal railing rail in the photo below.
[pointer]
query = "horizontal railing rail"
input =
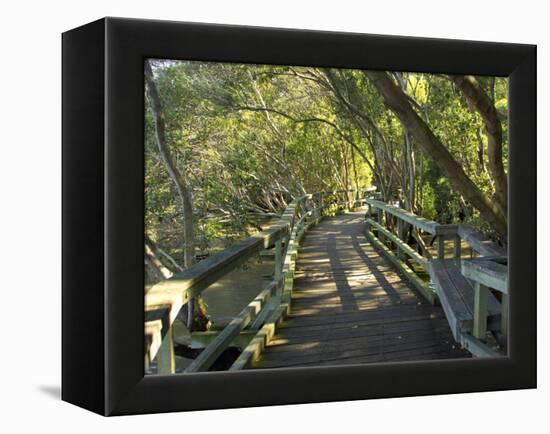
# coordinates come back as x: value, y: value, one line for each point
x: 395, y: 247
x: 406, y: 216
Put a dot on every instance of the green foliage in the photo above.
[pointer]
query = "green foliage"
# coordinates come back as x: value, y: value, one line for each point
x: 429, y: 209
x: 244, y: 163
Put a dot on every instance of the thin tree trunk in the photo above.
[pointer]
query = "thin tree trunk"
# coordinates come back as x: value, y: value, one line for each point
x: 355, y: 176
x: 345, y: 165
x: 399, y: 104
x: 161, y: 271
x: 157, y: 270
x: 409, y: 157
x: 480, y: 150
x: 178, y: 179
x: 166, y: 260
x: 411, y: 171
x: 420, y: 189
x: 173, y: 171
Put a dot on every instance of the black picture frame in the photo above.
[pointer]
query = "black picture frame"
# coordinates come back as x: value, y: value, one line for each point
x: 103, y: 208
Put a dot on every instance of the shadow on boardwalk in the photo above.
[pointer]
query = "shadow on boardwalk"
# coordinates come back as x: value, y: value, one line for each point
x: 350, y: 306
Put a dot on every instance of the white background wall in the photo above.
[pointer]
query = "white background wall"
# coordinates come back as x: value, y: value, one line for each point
x: 30, y: 183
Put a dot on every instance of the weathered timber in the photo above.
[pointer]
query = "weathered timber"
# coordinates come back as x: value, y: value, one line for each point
x: 488, y: 272
x: 419, y: 284
x: 262, y: 317
x: 481, y: 295
x: 183, y: 286
x: 252, y: 351
x: 479, y: 242
x: 203, y: 339
x: 441, y: 247
x: 448, y: 230
x: 289, y: 263
x: 175, y: 292
x: 456, y: 296
x: 477, y: 347
x: 157, y: 325
x: 166, y: 362
x: 278, y: 308
x: 361, y: 310
x: 469, y: 309
x: 278, y: 273
x: 170, y: 295
x: 457, y: 248
x: 405, y: 248
x: 332, y: 282
x: 224, y: 339
x: 419, y: 222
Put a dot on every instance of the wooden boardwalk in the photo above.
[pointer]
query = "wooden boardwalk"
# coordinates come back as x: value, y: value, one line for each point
x: 349, y: 305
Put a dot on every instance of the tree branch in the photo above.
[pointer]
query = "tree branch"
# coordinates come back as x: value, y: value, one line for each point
x: 310, y: 119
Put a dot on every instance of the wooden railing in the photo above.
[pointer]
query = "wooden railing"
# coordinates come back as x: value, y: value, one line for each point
x: 386, y: 228
x: 485, y: 273
x: 383, y: 217
x: 164, y: 300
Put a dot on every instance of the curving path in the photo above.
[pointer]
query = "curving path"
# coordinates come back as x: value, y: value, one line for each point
x: 349, y: 306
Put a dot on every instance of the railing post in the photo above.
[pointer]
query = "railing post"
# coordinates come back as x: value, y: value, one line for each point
x: 315, y: 202
x: 457, y: 247
x: 441, y: 247
x: 400, y: 230
x: 380, y: 220
x: 400, y: 235
x: 166, y: 362
x: 278, y: 274
x: 481, y: 293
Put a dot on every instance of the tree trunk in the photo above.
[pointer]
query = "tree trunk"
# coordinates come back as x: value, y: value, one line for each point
x: 151, y: 258
x: 398, y: 103
x: 478, y: 99
x: 355, y: 175
x: 177, y: 178
x: 155, y: 271
x: 410, y: 170
x: 165, y: 259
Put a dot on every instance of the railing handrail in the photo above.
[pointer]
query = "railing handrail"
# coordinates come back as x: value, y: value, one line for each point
x: 407, y: 216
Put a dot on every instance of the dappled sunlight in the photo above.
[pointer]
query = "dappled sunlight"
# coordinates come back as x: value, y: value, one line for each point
x: 257, y: 178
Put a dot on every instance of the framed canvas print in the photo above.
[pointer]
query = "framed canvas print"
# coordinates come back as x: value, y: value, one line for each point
x: 257, y: 216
